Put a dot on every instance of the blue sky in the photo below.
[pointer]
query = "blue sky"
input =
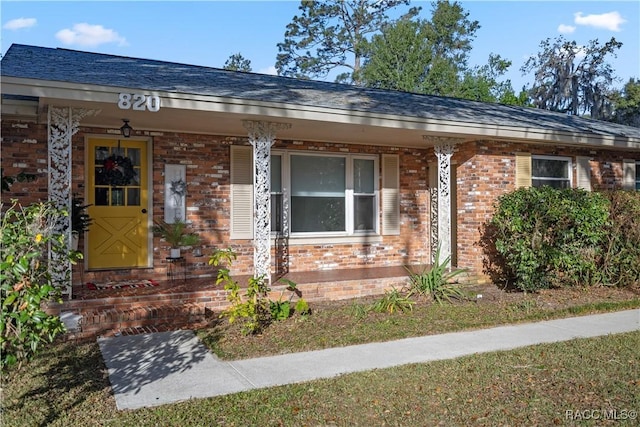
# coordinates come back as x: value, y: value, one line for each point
x: 208, y: 32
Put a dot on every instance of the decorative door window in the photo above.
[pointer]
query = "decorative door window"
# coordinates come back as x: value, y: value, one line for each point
x: 117, y: 176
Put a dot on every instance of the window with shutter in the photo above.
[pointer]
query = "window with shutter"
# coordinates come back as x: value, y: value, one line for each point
x: 552, y: 171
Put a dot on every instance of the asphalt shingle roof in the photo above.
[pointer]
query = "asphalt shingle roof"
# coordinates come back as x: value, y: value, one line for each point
x: 79, y: 67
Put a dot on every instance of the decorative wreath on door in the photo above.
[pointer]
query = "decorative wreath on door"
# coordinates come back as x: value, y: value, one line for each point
x: 118, y: 171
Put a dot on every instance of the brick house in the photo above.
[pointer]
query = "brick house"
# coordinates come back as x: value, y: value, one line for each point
x: 295, y: 175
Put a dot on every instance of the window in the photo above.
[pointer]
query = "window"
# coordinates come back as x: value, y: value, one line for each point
x: 552, y: 171
x: 331, y: 194
x: 637, y: 176
x: 364, y: 194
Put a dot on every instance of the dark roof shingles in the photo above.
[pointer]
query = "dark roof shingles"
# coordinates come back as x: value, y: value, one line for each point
x: 109, y: 70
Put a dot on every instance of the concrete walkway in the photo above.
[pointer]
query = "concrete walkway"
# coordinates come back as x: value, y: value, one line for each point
x: 160, y: 368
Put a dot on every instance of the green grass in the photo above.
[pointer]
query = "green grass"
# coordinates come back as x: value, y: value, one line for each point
x: 351, y: 323
x: 67, y: 385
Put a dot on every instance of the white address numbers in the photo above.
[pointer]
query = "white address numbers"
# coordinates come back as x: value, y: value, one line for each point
x: 138, y: 102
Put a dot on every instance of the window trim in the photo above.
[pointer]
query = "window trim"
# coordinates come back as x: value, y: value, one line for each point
x: 546, y: 157
x: 349, y: 194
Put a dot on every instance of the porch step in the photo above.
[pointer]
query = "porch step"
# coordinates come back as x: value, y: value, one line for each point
x: 180, y: 308
x: 122, y: 320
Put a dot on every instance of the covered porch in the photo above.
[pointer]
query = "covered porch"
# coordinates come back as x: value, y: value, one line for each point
x: 194, y: 303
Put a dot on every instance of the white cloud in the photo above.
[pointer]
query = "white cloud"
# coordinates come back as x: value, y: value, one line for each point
x: 566, y: 29
x: 89, y: 35
x: 269, y: 70
x: 20, y: 23
x: 608, y: 21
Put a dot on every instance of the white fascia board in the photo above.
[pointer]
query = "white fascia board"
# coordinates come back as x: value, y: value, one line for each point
x: 186, y: 101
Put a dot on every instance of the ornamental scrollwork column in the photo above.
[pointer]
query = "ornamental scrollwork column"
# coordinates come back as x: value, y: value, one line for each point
x: 444, y: 148
x: 262, y: 135
x: 63, y: 123
x: 433, y: 210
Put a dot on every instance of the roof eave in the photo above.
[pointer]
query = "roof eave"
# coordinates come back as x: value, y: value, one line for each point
x: 283, y: 111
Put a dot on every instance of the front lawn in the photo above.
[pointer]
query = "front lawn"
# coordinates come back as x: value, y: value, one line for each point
x: 540, y: 385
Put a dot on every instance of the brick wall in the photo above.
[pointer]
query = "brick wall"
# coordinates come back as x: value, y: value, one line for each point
x: 410, y: 247
x: 207, y: 159
x: 484, y: 170
x: 24, y: 149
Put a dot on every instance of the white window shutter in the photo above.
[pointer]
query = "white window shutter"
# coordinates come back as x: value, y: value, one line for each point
x: 523, y: 170
x: 390, y: 194
x: 583, y: 173
x: 241, y: 192
x: 628, y: 174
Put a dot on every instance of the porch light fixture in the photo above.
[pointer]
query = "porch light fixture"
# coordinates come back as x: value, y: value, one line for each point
x: 125, y: 129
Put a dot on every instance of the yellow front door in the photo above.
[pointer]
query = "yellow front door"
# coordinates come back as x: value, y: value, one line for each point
x: 118, y: 194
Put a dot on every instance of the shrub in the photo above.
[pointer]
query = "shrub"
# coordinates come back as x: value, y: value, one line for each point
x: 546, y: 237
x: 620, y: 261
x: 27, y: 233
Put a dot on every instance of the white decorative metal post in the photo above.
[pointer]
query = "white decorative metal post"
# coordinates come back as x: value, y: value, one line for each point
x: 63, y: 123
x: 261, y: 136
x: 444, y: 151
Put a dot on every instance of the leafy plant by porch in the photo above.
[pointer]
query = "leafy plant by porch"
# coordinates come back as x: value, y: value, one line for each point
x: 25, y: 280
x: 255, y: 309
x: 176, y: 234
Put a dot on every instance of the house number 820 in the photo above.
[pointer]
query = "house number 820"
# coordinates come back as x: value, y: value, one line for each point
x: 138, y: 102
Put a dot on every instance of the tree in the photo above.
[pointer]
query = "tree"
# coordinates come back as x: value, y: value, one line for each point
x: 237, y: 62
x: 626, y: 104
x: 398, y: 58
x: 572, y: 78
x: 424, y: 56
x: 332, y: 34
x: 450, y: 34
x: 481, y: 84
x: 431, y: 56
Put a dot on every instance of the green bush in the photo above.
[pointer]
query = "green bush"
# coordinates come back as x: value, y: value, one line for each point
x: 620, y: 262
x: 27, y: 233
x: 546, y: 237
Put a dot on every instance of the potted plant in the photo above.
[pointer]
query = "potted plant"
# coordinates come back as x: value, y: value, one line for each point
x: 80, y: 220
x: 176, y: 235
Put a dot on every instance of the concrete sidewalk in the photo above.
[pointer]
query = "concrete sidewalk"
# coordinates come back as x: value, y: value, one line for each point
x: 156, y: 369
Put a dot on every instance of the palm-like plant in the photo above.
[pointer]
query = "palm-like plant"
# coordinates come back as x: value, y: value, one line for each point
x: 435, y: 281
x: 176, y: 234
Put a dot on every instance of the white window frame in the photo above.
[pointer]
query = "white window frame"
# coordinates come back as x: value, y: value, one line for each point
x: 557, y: 158
x: 349, y: 193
